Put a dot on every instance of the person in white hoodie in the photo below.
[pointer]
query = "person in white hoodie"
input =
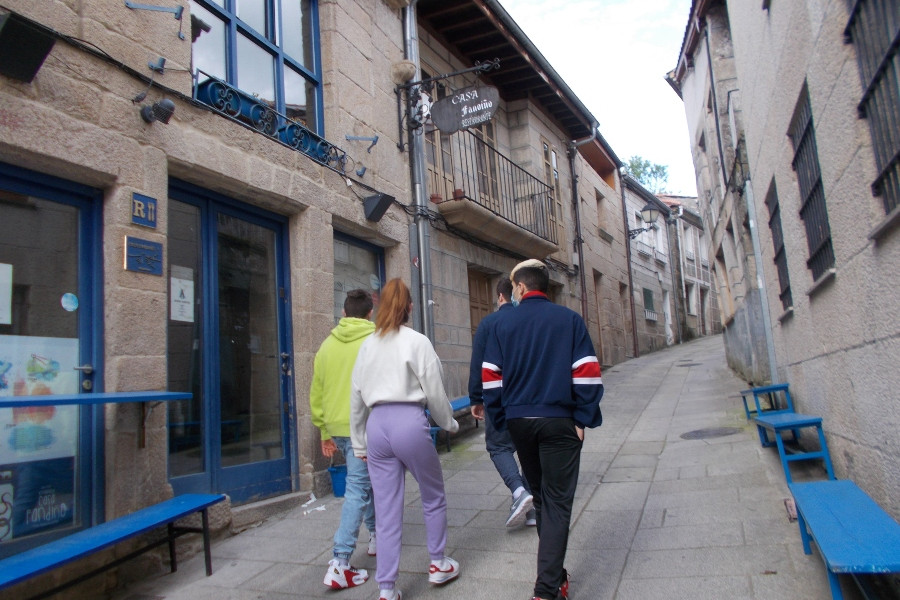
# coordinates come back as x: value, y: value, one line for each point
x: 396, y: 377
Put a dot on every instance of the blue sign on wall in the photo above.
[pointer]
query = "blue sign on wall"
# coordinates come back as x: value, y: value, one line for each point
x: 143, y: 256
x: 143, y: 210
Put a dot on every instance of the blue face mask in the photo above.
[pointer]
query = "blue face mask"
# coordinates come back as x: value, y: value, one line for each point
x: 515, y: 302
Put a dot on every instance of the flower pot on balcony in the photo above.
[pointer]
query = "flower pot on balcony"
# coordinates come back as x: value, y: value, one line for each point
x: 458, y: 194
x: 436, y: 198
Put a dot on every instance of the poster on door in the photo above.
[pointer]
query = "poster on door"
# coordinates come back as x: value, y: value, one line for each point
x: 38, y: 444
x: 37, y: 366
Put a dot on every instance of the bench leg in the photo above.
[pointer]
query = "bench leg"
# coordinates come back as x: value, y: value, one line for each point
x: 204, y: 516
x: 781, y: 454
x: 836, y: 593
x: 173, y: 562
x: 804, y: 533
x: 825, y: 454
x: 763, y: 437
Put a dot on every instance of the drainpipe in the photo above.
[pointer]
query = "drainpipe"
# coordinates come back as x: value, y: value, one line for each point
x: 417, y: 176
x: 760, y: 283
x: 673, y: 221
x: 570, y: 152
x: 712, y: 83
x: 637, y: 349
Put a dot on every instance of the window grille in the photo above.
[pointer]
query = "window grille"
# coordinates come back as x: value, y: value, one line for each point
x: 809, y: 177
x: 784, y: 279
x: 874, y: 28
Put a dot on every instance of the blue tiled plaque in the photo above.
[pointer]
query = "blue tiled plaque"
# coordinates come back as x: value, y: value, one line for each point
x: 143, y: 256
x: 143, y: 210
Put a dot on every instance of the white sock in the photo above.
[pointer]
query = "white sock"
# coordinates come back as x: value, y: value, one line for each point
x: 390, y: 594
x: 519, y: 491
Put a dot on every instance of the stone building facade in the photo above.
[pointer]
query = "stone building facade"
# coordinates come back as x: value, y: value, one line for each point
x: 184, y: 203
x: 805, y: 121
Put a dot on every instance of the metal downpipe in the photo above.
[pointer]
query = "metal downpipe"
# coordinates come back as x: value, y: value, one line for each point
x: 417, y: 176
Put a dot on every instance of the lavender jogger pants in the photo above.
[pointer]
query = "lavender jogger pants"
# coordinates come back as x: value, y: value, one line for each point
x: 398, y: 439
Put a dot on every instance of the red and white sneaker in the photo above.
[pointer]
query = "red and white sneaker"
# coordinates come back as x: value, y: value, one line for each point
x: 564, y: 589
x: 441, y: 573
x: 371, y: 550
x: 342, y: 577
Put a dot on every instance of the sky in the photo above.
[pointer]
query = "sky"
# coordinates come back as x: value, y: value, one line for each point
x: 614, y: 54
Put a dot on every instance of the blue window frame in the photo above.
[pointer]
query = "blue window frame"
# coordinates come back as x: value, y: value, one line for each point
x: 268, y: 49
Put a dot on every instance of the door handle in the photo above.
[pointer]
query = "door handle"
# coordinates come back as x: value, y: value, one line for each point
x: 86, y: 369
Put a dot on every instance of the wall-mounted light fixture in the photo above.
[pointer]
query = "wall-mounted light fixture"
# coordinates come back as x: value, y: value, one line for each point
x: 648, y: 215
x: 160, y: 111
x: 23, y: 47
x: 375, y: 206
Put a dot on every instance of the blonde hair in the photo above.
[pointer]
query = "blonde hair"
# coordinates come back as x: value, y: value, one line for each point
x: 393, y: 307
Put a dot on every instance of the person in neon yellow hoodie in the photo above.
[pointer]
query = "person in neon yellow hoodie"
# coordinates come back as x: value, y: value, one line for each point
x: 329, y: 402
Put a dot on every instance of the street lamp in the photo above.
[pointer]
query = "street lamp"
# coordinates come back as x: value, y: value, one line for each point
x: 648, y: 215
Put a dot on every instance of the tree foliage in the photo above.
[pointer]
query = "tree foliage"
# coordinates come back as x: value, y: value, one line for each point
x: 652, y: 176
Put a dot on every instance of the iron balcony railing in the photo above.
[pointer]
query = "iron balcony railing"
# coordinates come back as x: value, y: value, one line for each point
x: 464, y: 166
x: 259, y: 114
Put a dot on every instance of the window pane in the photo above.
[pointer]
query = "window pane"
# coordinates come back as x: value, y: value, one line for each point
x: 296, y: 27
x: 253, y: 13
x: 208, y: 48
x: 255, y: 70
x: 355, y: 267
x: 299, y: 99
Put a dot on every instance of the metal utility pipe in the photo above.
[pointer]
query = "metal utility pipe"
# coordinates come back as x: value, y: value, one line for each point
x: 673, y: 222
x: 715, y: 101
x: 760, y: 281
x: 637, y: 349
x: 579, y: 240
x: 417, y: 176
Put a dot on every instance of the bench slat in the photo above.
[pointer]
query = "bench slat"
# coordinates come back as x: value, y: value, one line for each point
x: 44, y: 558
x: 853, y: 533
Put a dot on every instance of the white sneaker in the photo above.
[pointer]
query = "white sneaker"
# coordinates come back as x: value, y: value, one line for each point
x: 394, y: 594
x: 341, y: 577
x: 446, y: 570
x: 371, y: 549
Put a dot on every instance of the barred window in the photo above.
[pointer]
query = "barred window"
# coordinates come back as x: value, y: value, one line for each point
x: 784, y: 279
x: 874, y: 28
x: 812, y: 196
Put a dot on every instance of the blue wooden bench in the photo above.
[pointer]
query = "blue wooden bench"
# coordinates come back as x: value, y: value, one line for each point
x: 778, y: 423
x: 22, y: 566
x: 854, y: 535
x: 459, y: 404
x: 771, y: 393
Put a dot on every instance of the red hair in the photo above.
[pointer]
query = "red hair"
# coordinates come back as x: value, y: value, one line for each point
x: 394, y: 307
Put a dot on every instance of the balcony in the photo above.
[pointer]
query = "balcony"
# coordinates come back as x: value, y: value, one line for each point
x: 643, y: 249
x: 258, y: 114
x: 483, y: 193
x: 650, y: 315
x: 659, y: 256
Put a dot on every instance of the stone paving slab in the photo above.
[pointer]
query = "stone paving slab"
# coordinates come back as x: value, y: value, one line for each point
x: 656, y: 516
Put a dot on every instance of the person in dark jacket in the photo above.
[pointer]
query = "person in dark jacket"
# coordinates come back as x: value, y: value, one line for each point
x: 499, y: 445
x: 542, y: 382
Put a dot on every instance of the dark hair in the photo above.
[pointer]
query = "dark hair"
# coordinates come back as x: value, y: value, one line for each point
x: 358, y: 303
x: 536, y: 279
x: 393, y: 307
x: 504, y: 288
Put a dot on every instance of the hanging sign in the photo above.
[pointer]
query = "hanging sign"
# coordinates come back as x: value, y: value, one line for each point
x: 466, y: 108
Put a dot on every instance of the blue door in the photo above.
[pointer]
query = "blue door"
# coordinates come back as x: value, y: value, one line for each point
x: 228, y: 344
x: 50, y: 287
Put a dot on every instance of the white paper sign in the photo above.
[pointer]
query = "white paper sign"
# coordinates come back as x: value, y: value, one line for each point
x: 182, y: 294
x: 5, y: 294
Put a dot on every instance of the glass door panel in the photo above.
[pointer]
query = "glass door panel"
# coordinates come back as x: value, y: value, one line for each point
x: 187, y: 431
x: 45, y: 309
x: 249, y: 361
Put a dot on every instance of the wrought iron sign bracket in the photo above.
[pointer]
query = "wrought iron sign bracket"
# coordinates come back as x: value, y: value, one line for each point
x: 413, y: 91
